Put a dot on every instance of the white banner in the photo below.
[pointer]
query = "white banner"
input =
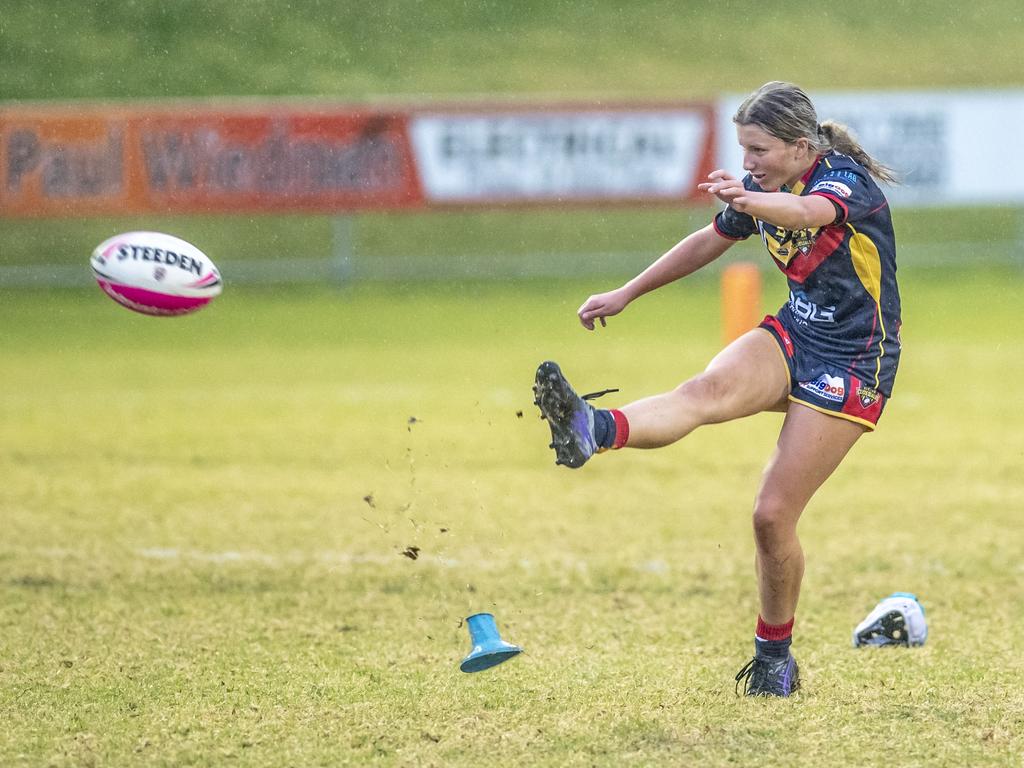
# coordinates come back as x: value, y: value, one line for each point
x: 564, y: 156
x: 947, y: 147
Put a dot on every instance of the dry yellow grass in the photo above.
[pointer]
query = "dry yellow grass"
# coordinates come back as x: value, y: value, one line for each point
x: 204, y: 518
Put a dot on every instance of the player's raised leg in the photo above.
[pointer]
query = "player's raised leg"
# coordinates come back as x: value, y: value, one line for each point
x: 747, y: 377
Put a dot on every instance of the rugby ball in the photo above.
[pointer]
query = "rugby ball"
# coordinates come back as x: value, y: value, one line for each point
x: 155, y: 274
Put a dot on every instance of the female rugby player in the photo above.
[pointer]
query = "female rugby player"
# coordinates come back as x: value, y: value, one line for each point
x: 827, y: 359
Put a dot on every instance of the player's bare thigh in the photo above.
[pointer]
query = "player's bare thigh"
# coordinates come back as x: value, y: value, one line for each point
x: 753, y: 372
x: 747, y: 377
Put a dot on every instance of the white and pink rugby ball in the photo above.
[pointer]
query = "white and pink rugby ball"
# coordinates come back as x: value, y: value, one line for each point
x: 155, y: 274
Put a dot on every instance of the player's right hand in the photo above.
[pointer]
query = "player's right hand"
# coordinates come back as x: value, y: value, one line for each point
x: 600, y: 306
x: 726, y: 188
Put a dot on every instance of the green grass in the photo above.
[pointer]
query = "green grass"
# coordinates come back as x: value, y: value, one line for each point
x: 203, y: 520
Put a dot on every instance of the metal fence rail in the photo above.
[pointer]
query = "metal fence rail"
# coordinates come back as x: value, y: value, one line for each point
x: 427, y: 268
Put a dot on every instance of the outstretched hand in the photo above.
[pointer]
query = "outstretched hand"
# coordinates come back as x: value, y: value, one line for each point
x: 726, y: 188
x: 600, y: 306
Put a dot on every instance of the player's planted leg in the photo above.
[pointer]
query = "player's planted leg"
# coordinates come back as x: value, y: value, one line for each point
x: 810, y: 447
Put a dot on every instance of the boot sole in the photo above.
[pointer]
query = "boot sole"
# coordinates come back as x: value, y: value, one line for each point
x: 557, y: 403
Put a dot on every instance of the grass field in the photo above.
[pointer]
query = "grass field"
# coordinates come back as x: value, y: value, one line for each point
x: 204, y: 520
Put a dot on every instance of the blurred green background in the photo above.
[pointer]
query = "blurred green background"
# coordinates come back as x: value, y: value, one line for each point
x: 438, y: 50
x: 149, y: 49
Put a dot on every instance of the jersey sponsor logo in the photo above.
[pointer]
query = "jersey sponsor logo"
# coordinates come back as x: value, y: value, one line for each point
x: 835, y: 187
x: 831, y: 388
x: 868, y: 396
x: 840, y: 175
x: 807, y: 311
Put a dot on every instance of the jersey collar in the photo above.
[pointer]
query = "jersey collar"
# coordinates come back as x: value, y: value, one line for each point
x: 799, y: 186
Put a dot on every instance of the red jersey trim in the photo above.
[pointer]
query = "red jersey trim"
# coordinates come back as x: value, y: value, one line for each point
x: 810, y: 171
x: 828, y: 241
x: 838, y: 202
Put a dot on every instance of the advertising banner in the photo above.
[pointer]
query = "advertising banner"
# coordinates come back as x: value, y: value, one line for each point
x: 81, y: 160
x: 76, y: 161
x: 73, y: 159
x: 563, y: 156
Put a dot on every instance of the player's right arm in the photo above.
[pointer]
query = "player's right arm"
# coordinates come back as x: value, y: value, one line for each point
x: 684, y: 258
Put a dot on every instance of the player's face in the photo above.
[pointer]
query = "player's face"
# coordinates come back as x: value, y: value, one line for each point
x: 771, y: 161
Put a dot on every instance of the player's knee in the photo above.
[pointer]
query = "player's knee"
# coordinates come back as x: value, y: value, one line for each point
x: 774, y: 520
x: 708, y: 392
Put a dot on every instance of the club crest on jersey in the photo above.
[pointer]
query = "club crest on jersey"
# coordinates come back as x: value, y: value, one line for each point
x: 868, y: 396
x: 803, y: 239
x: 831, y: 388
x: 782, y: 243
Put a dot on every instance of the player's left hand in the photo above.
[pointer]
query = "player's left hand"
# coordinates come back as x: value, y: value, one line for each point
x: 726, y: 188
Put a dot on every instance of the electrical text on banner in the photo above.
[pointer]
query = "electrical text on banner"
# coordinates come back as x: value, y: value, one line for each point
x: 582, y: 155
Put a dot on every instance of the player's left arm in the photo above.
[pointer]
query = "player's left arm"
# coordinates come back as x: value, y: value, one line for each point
x: 790, y: 212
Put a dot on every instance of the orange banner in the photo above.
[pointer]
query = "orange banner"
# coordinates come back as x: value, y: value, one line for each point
x: 92, y: 159
x: 69, y: 161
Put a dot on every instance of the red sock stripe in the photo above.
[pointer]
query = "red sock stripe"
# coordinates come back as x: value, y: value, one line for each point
x: 768, y: 631
x: 621, y: 429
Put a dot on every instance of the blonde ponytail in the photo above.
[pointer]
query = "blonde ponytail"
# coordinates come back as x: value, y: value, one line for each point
x: 834, y: 135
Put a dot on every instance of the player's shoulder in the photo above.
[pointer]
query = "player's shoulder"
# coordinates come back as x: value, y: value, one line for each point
x: 840, y: 175
x: 835, y: 165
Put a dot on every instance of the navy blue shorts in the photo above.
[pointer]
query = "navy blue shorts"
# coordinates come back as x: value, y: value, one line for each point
x: 828, y: 386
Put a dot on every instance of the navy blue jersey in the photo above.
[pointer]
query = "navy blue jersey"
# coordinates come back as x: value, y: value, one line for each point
x: 844, y: 304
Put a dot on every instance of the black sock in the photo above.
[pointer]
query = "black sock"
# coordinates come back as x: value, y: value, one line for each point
x: 773, y: 648
x: 604, y: 428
